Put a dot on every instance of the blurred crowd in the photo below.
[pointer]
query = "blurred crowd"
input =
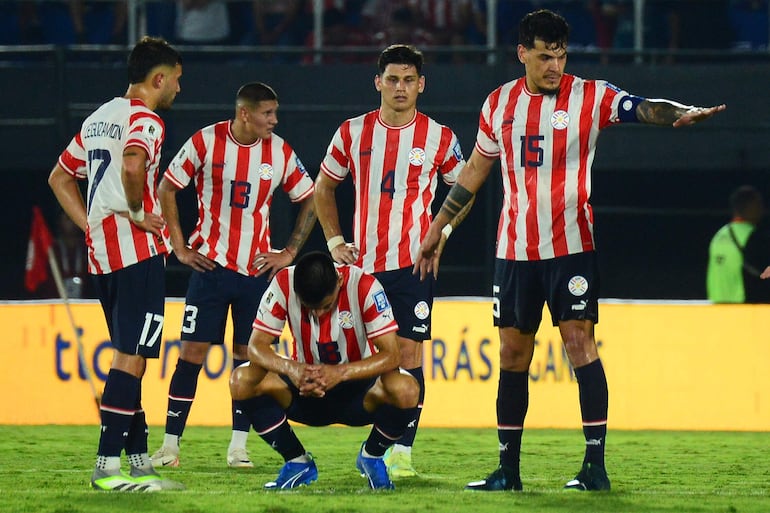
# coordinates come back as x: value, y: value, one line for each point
x: 671, y: 25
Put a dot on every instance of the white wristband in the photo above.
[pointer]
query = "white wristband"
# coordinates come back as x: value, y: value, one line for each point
x: 447, y: 230
x: 137, y: 216
x: 335, y: 241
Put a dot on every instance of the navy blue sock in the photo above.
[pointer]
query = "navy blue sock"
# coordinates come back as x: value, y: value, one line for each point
x: 389, y: 426
x: 271, y: 424
x: 117, y: 411
x: 512, y: 404
x: 411, y: 429
x: 241, y: 422
x: 181, y: 393
x: 594, y: 400
x: 136, y: 441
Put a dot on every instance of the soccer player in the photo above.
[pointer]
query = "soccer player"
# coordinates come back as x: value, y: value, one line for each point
x: 118, y: 150
x: 235, y: 166
x: 543, y: 127
x: 395, y: 155
x: 343, y: 370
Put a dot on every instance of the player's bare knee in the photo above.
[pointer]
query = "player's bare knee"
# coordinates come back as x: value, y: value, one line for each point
x: 403, y: 391
x: 242, y: 383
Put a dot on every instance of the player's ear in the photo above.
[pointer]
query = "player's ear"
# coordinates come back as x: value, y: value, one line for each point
x: 421, y: 84
x: 377, y: 83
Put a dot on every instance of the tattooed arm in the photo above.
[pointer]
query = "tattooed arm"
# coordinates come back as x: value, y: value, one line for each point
x: 668, y: 112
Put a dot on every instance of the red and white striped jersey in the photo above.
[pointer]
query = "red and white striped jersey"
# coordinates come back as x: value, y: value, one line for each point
x: 96, y: 153
x: 235, y: 184
x: 546, y: 146
x: 342, y: 334
x: 395, y: 173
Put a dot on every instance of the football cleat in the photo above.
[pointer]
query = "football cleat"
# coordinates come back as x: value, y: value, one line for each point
x: 293, y: 475
x: 375, y: 471
x: 502, y: 479
x: 116, y: 481
x: 151, y: 477
x: 166, y: 456
x: 239, y: 458
x: 591, y: 478
x: 399, y: 463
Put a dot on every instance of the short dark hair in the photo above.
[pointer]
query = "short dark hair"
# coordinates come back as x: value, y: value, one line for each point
x: 400, y: 54
x: 315, y: 277
x: 744, y: 198
x: 545, y: 25
x: 255, y: 92
x: 147, y: 54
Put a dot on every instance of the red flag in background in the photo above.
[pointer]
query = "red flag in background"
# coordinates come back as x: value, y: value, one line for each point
x: 37, y: 251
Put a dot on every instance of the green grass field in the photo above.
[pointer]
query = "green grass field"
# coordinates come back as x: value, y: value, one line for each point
x: 47, y: 469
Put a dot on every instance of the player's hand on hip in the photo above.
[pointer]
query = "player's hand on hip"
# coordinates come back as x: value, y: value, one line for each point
x: 192, y: 258
x: 271, y: 262
x: 345, y: 254
x: 152, y: 223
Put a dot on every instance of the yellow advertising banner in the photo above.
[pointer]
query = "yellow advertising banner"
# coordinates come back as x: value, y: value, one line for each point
x: 669, y: 366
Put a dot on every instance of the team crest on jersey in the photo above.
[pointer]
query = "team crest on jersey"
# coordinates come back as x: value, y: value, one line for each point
x: 577, y: 285
x: 151, y: 129
x: 300, y: 165
x: 346, y: 320
x: 265, y: 171
x: 457, y: 151
x: 416, y: 156
x: 560, y: 119
x: 381, y: 301
x: 421, y: 310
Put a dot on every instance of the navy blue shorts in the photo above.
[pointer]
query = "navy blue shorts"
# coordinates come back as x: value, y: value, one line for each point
x: 568, y: 284
x: 411, y: 301
x: 343, y: 404
x: 133, y: 299
x: 210, y: 295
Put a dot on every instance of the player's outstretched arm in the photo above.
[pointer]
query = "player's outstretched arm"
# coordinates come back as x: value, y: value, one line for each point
x: 668, y: 112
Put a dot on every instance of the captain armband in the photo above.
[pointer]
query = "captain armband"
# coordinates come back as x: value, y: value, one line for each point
x: 627, y: 109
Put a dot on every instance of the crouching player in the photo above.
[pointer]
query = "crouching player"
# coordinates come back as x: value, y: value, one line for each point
x: 344, y: 367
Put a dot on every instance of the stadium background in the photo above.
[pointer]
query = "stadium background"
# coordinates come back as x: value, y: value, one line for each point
x: 659, y: 194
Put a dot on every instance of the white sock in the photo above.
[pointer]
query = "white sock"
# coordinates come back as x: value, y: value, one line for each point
x: 238, y: 440
x: 171, y: 440
x: 301, y: 459
x: 406, y: 449
x: 108, y: 463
